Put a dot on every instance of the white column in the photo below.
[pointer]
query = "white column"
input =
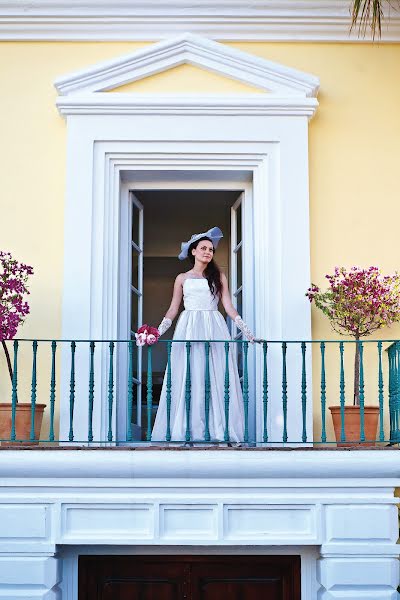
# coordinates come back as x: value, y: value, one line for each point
x: 359, y: 556
x: 29, y: 577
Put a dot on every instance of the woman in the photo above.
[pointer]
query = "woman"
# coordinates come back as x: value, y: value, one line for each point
x: 202, y: 287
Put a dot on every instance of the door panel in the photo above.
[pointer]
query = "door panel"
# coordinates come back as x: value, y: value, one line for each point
x: 130, y: 578
x: 247, y: 578
x: 236, y: 266
x: 136, y: 302
x: 189, y: 578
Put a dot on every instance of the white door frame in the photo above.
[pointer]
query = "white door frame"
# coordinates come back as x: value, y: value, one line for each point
x: 281, y: 262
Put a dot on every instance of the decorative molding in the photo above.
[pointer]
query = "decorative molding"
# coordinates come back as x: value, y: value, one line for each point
x: 141, y: 20
x: 93, y: 204
x: 199, y: 468
x: 130, y: 104
x: 191, y: 49
x: 334, y: 508
x: 288, y: 92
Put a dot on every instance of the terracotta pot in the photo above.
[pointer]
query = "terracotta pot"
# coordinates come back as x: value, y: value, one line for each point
x: 352, y: 425
x: 22, y: 423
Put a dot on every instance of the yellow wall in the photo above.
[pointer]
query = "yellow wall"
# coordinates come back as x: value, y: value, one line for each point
x: 354, y: 156
x: 187, y: 79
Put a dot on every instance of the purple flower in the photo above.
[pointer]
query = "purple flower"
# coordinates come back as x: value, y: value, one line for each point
x: 13, y: 308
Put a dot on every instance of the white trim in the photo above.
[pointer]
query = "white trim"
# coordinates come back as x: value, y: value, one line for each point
x: 215, y: 469
x: 206, y: 104
x: 281, y: 268
x: 139, y: 20
x: 70, y: 556
x: 194, y: 50
x: 238, y: 105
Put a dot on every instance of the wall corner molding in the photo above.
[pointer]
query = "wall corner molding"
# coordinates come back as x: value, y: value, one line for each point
x: 139, y: 20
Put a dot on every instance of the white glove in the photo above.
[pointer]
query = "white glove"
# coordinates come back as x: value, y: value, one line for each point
x: 164, y: 325
x: 240, y: 324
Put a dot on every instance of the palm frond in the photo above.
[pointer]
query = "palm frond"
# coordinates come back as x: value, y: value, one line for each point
x: 367, y: 14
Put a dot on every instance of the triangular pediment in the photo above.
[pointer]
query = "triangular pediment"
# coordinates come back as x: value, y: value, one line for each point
x: 219, y: 59
x: 186, y: 79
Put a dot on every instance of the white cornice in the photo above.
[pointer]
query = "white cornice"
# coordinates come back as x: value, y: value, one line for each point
x: 266, y: 75
x: 130, y: 104
x: 210, y: 465
x: 150, y: 20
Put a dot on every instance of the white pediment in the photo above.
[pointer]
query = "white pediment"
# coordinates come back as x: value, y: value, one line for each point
x: 270, y: 77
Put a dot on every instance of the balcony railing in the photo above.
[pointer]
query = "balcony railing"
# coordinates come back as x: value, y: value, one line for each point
x: 106, y: 393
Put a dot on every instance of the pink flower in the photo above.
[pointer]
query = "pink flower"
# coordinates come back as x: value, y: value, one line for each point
x: 151, y: 339
x: 143, y: 329
x: 146, y: 335
x: 359, y: 301
x: 140, y: 339
x: 13, y: 309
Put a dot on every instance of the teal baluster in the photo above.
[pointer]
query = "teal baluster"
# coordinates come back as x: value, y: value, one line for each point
x: 380, y: 393
x: 130, y: 390
x: 188, y: 392
x: 52, y: 389
x: 72, y: 393
x: 397, y: 393
x: 110, y: 391
x: 342, y: 393
x: 207, y: 393
x: 149, y: 392
x: 33, y: 390
x: 246, y: 390
x: 284, y: 391
x: 14, y: 397
x: 392, y: 378
x: 303, y: 391
x: 265, y: 390
x: 362, y: 417
x: 226, y: 392
x: 323, y: 393
x: 91, y: 392
x: 391, y: 381
x: 169, y: 385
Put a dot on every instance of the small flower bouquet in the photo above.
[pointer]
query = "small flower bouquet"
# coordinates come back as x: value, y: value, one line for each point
x: 146, y: 335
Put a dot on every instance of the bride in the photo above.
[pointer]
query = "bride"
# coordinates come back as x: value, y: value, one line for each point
x: 202, y: 287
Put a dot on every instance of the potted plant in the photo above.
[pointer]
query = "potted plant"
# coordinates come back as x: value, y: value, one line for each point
x: 357, y: 303
x: 13, y: 310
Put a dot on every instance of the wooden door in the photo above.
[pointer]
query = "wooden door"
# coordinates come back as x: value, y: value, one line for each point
x: 189, y: 578
x: 245, y: 578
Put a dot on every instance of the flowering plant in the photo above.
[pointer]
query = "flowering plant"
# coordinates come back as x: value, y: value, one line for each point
x: 357, y: 303
x: 13, y: 307
x: 146, y: 335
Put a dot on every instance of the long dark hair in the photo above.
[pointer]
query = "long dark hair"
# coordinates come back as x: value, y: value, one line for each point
x: 212, y: 272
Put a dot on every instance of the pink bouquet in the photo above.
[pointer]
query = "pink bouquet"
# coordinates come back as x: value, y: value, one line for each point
x: 146, y: 335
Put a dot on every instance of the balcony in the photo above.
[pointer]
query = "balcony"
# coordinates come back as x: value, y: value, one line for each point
x: 105, y: 393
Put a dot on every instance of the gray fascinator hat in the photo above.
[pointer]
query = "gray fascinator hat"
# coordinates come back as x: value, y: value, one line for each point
x: 215, y: 234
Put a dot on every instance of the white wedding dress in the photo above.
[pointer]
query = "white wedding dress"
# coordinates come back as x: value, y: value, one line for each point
x: 200, y: 320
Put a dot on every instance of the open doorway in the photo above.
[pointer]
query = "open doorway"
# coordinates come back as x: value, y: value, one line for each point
x: 158, y: 221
